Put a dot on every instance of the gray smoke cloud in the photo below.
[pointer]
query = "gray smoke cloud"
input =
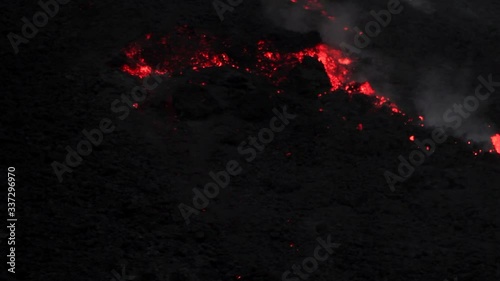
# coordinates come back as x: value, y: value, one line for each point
x: 293, y: 17
x: 444, y: 93
x: 435, y: 86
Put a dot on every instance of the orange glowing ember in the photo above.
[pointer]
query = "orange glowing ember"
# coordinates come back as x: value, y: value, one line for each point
x: 336, y: 65
x: 495, y: 140
x: 366, y: 89
x: 270, y: 62
x: 187, y: 50
x: 175, y: 58
x: 198, y: 55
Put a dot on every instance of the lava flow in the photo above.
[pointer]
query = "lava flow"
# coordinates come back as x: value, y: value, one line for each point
x: 189, y: 50
x: 198, y: 53
x: 495, y: 140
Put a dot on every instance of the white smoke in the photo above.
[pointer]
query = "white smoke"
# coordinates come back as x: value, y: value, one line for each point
x: 293, y: 17
x: 439, y: 87
x: 444, y: 93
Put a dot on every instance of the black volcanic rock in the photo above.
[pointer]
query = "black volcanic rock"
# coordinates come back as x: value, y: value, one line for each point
x: 321, y: 175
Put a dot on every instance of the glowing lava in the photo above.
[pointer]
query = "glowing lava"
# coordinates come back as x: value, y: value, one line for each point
x: 271, y: 62
x: 194, y: 50
x: 167, y: 55
x: 495, y: 140
x: 188, y: 50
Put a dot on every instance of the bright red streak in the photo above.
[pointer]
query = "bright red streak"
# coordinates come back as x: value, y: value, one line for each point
x: 495, y: 140
x: 336, y: 65
x: 187, y: 50
x: 366, y: 89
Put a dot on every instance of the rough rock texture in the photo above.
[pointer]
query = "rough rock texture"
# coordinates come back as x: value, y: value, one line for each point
x: 320, y: 176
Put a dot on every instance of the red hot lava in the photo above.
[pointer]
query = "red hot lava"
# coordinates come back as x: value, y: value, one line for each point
x: 197, y: 59
x: 495, y: 140
x: 176, y: 58
x: 199, y: 52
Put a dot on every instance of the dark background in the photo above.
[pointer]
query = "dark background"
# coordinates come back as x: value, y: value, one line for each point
x: 120, y: 205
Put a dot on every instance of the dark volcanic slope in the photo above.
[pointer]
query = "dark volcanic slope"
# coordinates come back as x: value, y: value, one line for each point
x: 321, y: 176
